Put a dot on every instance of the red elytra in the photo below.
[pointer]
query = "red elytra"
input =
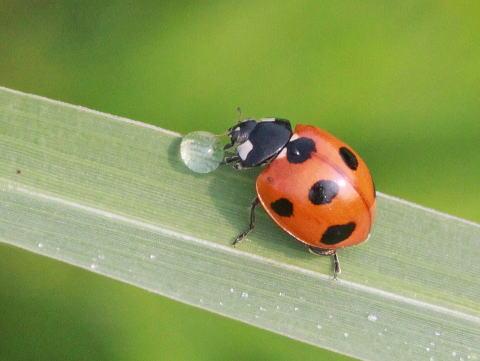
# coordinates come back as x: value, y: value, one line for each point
x: 326, y: 202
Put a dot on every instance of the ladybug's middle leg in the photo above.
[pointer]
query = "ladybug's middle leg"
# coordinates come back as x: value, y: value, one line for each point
x: 328, y: 252
x: 251, y: 226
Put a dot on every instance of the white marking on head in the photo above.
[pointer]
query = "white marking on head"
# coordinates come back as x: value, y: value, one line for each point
x: 267, y: 119
x: 294, y: 136
x: 244, y: 149
x: 236, y: 129
x: 282, y: 154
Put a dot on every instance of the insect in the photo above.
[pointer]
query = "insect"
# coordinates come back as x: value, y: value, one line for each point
x: 314, y: 186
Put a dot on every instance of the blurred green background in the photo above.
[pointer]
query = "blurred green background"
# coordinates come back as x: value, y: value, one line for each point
x: 399, y: 81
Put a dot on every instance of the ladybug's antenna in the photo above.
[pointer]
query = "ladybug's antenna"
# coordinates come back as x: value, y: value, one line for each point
x: 239, y: 111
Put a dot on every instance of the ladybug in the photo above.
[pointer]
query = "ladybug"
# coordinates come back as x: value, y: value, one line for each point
x: 314, y: 186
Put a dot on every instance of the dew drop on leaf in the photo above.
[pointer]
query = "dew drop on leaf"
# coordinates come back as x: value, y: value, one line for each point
x: 202, y: 152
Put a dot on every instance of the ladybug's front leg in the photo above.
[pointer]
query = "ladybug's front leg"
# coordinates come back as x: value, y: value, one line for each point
x: 328, y: 252
x: 242, y: 235
x: 232, y: 159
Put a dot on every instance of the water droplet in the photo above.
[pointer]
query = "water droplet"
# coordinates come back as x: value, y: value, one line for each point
x: 263, y: 309
x: 40, y: 245
x: 232, y: 290
x: 201, y: 300
x: 93, y: 266
x: 319, y: 326
x: 220, y: 303
x: 345, y: 334
x: 372, y: 317
x: 277, y: 307
x: 202, y: 152
x: 432, y: 343
x: 152, y: 256
x: 427, y: 349
x: 296, y: 309
x: 437, y: 333
x: 454, y: 353
x: 244, y: 295
x: 281, y: 294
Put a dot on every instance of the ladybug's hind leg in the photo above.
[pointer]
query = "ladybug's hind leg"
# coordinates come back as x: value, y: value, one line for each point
x: 328, y: 252
x: 251, y: 226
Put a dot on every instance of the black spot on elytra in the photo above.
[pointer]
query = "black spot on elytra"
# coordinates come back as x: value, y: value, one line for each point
x: 323, y: 192
x: 301, y: 149
x: 349, y: 158
x: 338, y: 233
x: 283, y: 207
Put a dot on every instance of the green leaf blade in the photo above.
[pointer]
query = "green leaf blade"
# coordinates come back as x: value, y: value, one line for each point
x: 111, y: 195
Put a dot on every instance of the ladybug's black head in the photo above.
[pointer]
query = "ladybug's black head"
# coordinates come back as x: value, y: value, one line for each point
x: 240, y: 132
x: 257, y: 143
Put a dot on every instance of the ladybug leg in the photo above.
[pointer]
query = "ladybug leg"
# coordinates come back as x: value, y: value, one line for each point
x: 232, y: 159
x: 251, y: 226
x: 328, y: 252
x: 336, y: 266
x: 235, y: 161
